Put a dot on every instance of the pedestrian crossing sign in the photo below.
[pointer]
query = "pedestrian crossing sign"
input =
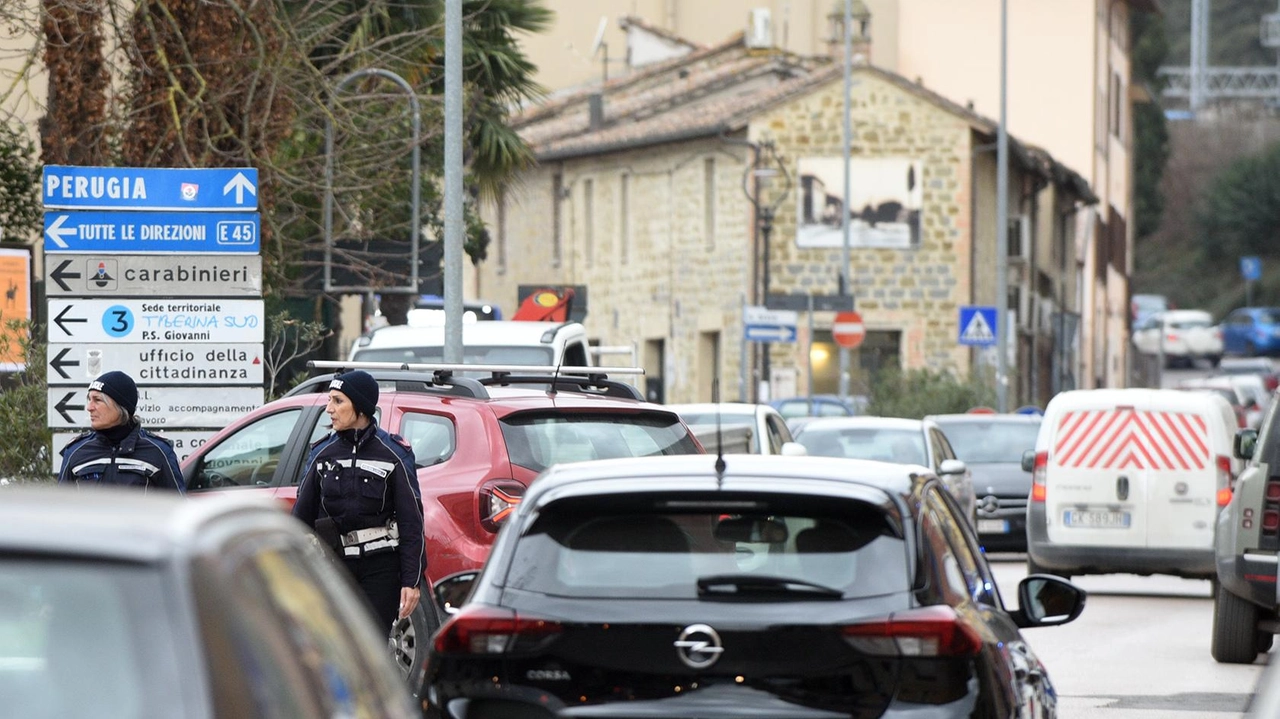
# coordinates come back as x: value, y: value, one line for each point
x: 978, y: 326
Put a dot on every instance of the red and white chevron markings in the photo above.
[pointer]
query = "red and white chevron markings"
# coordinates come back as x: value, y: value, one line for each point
x: 1124, y: 437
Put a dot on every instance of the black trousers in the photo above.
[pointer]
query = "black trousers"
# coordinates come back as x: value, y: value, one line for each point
x: 379, y: 577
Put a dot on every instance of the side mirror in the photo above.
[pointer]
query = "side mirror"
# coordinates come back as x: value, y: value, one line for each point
x: 793, y: 449
x: 453, y: 590
x: 1029, y: 460
x: 1245, y: 443
x: 1045, y: 601
x: 952, y: 466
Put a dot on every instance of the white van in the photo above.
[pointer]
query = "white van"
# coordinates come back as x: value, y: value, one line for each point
x: 1129, y: 480
x: 498, y: 342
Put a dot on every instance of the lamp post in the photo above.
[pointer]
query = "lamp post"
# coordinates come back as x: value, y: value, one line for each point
x: 765, y: 165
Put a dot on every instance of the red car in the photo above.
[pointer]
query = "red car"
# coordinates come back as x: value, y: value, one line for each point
x: 478, y: 444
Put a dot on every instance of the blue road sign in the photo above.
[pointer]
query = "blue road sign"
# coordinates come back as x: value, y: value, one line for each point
x: 123, y: 232
x: 769, y: 333
x: 1251, y: 268
x: 201, y: 189
x: 978, y: 326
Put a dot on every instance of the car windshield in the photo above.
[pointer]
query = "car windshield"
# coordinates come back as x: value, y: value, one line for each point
x: 86, y: 639
x: 991, y: 442
x: 1188, y: 323
x: 471, y: 354
x: 725, y: 419
x: 1269, y: 317
x: 537, y: 440
x: 817, y: 408
x: 904, y: 446
x: 845, y: 549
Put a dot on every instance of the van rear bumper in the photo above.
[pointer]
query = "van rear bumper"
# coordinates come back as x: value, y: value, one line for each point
x: 1077, y: 559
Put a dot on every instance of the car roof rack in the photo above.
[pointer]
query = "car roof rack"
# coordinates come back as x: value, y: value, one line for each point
x: 572, y: 379
x: 439, y: 382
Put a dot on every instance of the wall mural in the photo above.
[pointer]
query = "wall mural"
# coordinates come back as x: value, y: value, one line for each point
x: 885, y: 200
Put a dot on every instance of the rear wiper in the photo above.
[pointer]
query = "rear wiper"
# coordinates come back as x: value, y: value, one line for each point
x: 747, y: 585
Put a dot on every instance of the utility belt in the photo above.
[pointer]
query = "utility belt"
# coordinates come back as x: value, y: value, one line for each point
x: 370, y: 541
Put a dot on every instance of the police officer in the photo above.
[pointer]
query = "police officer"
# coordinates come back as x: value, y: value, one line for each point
x: 118, y: 450
x: 360, y: 488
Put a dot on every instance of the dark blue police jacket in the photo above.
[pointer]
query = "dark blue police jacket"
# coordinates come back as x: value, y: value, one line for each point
x: 141, y: 459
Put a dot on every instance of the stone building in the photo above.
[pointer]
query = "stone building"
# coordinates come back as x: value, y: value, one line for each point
x: 650, y: 191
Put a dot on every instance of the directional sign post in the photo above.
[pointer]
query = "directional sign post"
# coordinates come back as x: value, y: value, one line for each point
x: 163, y: 320
x: 108, y: 275
x: 162, y: 406
x: 152, y: 232
x: 179, y: 189
x: 978, y: 326
x: 151, y: 364
x: 765, y: 325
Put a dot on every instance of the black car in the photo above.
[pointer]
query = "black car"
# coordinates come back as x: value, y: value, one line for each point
x: 115, y: 604
x: 992, y: 446
x: 780, y: 587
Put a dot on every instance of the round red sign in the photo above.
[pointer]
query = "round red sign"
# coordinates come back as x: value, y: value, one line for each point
x: 847, y: 329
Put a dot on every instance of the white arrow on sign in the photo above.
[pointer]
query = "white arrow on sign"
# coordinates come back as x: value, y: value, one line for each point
x: 56, y: 231
x: 240, y: 183
x: 766, y: 332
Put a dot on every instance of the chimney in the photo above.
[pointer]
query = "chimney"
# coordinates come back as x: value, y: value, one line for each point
x: 595, y: 111
x: 860, y: 40
x: 759, y: 34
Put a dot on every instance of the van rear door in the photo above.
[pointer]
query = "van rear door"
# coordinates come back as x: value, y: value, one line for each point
x: 1096, y: 488
x: 1183, y: 476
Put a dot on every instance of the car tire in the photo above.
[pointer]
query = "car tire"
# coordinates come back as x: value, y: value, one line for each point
x: 1214, y: 360
x: 1235, y: 629
x: 408, y: 642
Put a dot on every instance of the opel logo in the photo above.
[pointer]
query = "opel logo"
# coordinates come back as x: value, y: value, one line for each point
x: 989, y: 504
x: 698, y: 646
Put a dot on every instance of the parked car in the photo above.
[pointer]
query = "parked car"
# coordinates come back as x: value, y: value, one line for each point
x: 1246, y: 547
x: 119, y: 604
x: 773, y: 586
x: 820, y: 405
x: 1142, y: 306
x: 991, y: 446
x: 1250, y: 331
x: 892, y: 439
x: 477, y: 443
x: 1261, y: 366
x: 767, y: 431
x: 493, y: 342
x: 1183, y: 336
x: 1246, y: 394
x: 1129, y: 480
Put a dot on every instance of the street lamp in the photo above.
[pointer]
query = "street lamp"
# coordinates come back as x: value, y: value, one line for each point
x: 766, y: 164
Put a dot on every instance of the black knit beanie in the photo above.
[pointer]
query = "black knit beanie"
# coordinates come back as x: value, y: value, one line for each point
x: 359, y: 387
x: 120, y: 388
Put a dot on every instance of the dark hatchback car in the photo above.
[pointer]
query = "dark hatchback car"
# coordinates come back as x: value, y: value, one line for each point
x: 779, y: 587
x: 991, y: 446
x: 120, y: 605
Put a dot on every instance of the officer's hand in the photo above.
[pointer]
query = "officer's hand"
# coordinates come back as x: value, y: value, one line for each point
x: 408, y: 600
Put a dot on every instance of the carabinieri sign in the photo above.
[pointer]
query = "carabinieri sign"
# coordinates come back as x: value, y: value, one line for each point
x: 179, y: 189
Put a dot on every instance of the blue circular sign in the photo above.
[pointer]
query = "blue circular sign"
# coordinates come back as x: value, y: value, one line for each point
x: 117, y: 321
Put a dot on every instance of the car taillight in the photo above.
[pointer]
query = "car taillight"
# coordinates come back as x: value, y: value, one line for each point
x: 1225, y: 478
x: 1273, y: 491
x: 927, y: 632
x: 1039, y: 492
x: 1271, y: 508
x: 1171, y: 337
x: 497, y: 500
x: 491, y: 630
x: 1272, y: 382
x: 1270, y: 521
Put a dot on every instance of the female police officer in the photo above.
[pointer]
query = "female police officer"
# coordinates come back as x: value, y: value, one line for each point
x: 360, y: 485
x: 118, y: 451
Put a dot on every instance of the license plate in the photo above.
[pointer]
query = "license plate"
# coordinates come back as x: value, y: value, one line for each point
x: 993, y: 526
x: 1096, y: 519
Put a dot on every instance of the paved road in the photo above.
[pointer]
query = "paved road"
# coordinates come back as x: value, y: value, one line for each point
x: 1139, y: 651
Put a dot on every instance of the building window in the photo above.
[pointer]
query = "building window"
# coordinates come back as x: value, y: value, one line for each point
x: 557, y: 220
x: 588, y: 220
x: 709, y: 202
x: 624, y: 217
x: 502, y: 231
x: 1117, y: 107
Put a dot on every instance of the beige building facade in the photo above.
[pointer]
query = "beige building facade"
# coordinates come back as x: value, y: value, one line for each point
x: 1068, y: 90
x: 643, y: 194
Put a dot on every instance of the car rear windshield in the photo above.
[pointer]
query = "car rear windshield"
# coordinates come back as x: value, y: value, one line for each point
x: 537, y: 440
x: 849, y: 549
x: 85, y: 639
x: 991, y: 442
x: 725, y: 419
x: 904, y: 446
x: 1190, y: 323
